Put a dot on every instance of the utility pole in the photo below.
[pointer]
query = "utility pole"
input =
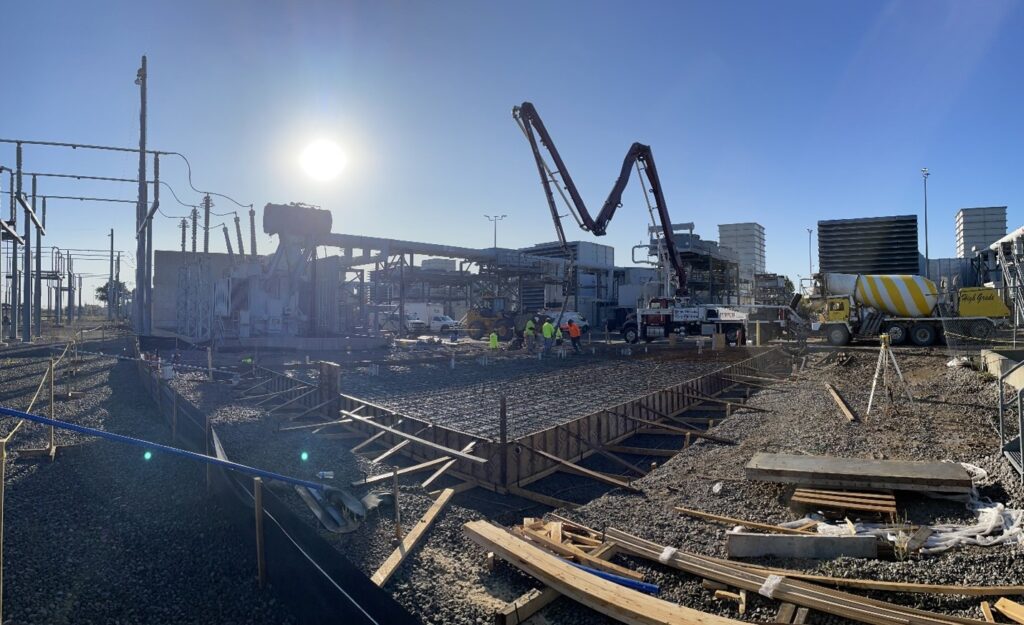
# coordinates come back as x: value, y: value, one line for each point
x: 141, y: 254
x: 117, y: 289
x: 110, y: 280
x: 15, y: 287
x: 26, y: 297
x: 184, y: 229
x: 207, y: 204
x: 2, y: 343
x: 927, y: 264
x: 37, y: 308
x: 71, y: 290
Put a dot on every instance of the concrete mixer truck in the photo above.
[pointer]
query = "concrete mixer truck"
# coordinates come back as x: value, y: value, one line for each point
x: 906, y: 307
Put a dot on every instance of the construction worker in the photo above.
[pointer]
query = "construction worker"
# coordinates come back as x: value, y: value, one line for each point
x: 574, y: 336
x: 494, y: 339
x: 530, y: 334
x: 548, y: 331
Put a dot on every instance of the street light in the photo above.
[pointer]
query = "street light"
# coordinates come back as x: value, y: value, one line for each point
x: 927, y: 267
x: 495, y: 219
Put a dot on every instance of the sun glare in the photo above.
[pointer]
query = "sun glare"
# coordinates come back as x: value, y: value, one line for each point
x: 323, y: 160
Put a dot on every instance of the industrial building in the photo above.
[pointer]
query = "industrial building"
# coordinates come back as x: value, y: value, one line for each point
x: 977, y: 228
x: 712, y: 271
x: 772, y: 289
x: 885, y: 245
x: 747, y: 241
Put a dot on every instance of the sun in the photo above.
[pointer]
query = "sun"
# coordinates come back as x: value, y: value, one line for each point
x: 323, y: 160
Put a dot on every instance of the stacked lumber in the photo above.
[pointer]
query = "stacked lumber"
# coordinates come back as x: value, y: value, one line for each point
x: 572, y: 542
x: 799, y: 593
x: 876, y: 503
x: 622, y: 604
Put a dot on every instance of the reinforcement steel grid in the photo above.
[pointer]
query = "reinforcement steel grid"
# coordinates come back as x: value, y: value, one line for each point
x: 539, y: 394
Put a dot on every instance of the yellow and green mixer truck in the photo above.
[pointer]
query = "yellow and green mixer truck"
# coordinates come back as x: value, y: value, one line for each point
x: 906, y: 307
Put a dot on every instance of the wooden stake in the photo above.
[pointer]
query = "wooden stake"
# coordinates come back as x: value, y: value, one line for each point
x: 261, y: 562
x: 208, y: 465
x: 398, y: 510
x: 3, y: 480
x: 53, y: 445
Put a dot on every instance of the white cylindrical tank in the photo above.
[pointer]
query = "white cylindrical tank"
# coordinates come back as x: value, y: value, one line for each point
x: 902, y: 296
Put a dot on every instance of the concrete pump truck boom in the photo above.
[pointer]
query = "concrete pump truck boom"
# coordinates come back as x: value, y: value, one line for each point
x: 660, y: 317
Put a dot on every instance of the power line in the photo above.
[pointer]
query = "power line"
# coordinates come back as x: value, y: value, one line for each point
x: 82, y: 199
x: 75, y: 146
x: 188, y: 167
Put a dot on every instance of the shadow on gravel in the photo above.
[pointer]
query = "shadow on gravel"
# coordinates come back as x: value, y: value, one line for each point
x: 104, y: 536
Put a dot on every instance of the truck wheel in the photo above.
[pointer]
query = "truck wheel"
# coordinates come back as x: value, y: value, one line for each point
x: 630, y: 334
x: 477, y: 330
x: 838, y: 335
x: 897, y: 334
x: 981, y: 329
x: 922, y: 334
x: 444, y: 330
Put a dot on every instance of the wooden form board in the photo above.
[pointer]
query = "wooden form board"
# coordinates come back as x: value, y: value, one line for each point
x: 621, y: 603
x: 616, y: 423
x: 1011, y: 610
x: 841, y: 403
x: 408, y: 543
x: 748, y: 545
x: 521, y: 467
x: 876, y: 503
x: 765, y: 527
x: 814, y: 597
x: 829, y: 471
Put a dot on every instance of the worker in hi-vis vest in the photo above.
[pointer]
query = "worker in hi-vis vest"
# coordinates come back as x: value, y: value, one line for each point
x: 494, y: 339
x: 548, y: 331
x: 530, y: 334
x: 574, y: 336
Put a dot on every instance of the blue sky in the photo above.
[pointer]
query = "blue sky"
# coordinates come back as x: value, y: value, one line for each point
x: 782, y: 113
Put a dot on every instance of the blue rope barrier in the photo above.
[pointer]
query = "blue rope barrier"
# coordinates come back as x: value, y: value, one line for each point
x: 138, y: 442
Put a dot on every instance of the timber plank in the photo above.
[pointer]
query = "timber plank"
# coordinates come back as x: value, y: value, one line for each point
x: 408, y: 543
x: 575, y: 468
x: 841, y: 403
x: 1011, y: 610
x: 623, y: 604
x: 423, y: 466
x: 749, y: 524
x: 415, y: 439
x: 542, y: 499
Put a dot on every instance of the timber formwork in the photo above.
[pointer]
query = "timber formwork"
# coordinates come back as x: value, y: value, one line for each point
x: 501, y: 463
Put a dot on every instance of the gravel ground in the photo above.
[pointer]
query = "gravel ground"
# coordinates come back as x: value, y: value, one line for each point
x: 445, y: 580
x: 952, y: 419
x: 102, y: 536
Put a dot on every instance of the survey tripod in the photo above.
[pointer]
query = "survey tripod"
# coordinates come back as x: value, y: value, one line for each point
x: 886, y: 356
